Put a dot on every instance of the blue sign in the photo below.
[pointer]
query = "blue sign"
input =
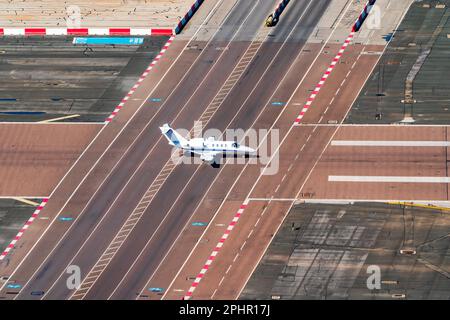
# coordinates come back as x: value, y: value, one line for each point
x: 199, y: 224
x: 109, y: 40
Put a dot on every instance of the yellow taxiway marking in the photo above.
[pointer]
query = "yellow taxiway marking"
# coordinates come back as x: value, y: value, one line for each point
x: 60, y: 118
x: 32, y: 203
x: 426, y: 206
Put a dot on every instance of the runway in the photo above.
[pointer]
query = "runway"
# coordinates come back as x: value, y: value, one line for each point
x: 103, y: 189
x: 134, y: 210
x: 303, y: 146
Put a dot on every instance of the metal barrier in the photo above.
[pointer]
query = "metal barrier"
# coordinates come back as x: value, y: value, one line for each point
x: 273, y: 18
x: 359, y: 22
x: 183, y: 22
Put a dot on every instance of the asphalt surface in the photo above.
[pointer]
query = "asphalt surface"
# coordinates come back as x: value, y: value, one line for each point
x: 182, y: 103
x: 47, y: 78
x: 34, y: 157
x: 157, y: 248
x: 324, y: 251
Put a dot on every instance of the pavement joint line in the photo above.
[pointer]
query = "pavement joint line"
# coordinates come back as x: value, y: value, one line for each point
x: 229, y: 267
x: 23, y: 229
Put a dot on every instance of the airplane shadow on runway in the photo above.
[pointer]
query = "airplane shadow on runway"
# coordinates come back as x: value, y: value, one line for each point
x: 217, y: 165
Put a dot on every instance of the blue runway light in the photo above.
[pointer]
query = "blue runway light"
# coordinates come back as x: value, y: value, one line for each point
x: 156, y: 99
x: 277, y: 103
x: 199, y: 224
x: 156, y: 289
x: 13, y: 286
x: 65, y: 219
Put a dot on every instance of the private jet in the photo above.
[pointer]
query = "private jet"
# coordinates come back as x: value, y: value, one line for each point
x: 208, y: 149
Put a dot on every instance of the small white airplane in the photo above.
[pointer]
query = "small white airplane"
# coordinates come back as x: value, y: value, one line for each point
x: 208, y: 149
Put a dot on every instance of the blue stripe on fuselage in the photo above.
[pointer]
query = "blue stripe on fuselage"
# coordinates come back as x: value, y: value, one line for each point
x: 173, y: 137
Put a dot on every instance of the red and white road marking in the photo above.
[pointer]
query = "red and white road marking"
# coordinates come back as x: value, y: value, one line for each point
x: 308, y: 103
x: 216, y: 250
x: 86, y: 31
x: 141, y: 78
x: 327, y: 73
x: 25, y: 227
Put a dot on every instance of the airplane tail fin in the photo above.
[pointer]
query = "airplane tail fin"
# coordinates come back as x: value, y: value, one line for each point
x: 174, y: 138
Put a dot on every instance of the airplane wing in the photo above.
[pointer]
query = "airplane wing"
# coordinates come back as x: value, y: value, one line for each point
x: 209, y: 157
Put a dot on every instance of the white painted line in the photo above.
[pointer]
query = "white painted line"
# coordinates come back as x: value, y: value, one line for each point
x: 14, y: 31
x: 381, y: 143
x: 401, y: 179
x: 56, y: 31
x: 140, y: 31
